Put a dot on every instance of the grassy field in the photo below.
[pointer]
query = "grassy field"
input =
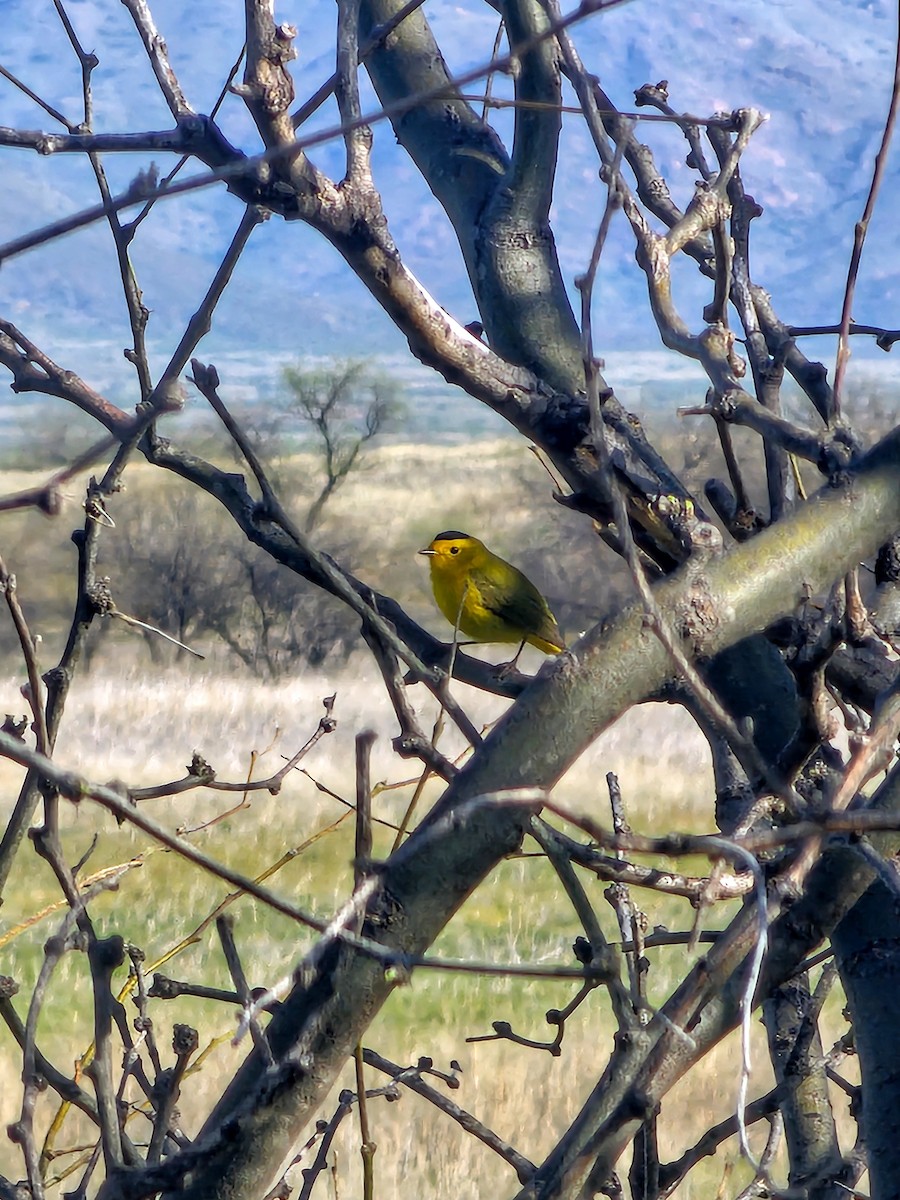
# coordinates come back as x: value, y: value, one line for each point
x: 125, y: 726
x: 127, y: 722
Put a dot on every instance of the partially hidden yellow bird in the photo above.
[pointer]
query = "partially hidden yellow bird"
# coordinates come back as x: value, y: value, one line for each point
x: 487, y: 598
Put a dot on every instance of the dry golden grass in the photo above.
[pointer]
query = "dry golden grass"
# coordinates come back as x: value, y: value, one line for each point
x: 144, y: 730
x: 130, y: 723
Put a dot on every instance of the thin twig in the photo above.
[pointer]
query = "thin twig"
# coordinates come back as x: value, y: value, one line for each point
x: 136, y: 624
x: 411, y: 1077
x: 35, y: 689
x: 859, y: 237
x: 225, y: 930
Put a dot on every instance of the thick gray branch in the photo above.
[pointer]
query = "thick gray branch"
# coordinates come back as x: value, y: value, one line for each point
x: 536, y: 139
x: 424, y: 883
x: 507, y: 246
x: 458, y: 155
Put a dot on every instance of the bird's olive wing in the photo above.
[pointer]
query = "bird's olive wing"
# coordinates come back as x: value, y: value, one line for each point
x: 515, y: 600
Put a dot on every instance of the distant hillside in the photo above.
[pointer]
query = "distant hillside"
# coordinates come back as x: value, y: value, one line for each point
x: 652, y: 383
x: 822, y: 72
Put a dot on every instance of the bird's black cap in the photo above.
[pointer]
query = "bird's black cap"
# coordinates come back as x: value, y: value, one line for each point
x: 450, y: 535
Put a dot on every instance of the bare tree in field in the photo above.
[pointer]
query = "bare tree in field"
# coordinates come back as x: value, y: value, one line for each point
x: 750, y: 616
x: 344, y: 409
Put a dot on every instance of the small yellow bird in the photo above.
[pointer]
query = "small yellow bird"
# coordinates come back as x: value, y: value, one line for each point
x: 487, y: 598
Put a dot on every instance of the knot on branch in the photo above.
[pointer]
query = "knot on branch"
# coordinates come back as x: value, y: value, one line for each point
x: 199, y: 768
x: 99, y: 596
x: 838, y: 455
x: 679, y: 515
x: 50, y: 500
x: 699, y: 615
x: 638, y: 1103
x: 583, y: 951
x: 707, y: 207
x: 168, y: 397
x: 15, y: 728
x: 284, y: 35
x: 383, y: 912
x: 16, y: 1133
x: 653, y: 94
x: 164, y: 988
x: 145, y: 183
x: 410, y: 745
x: 267, y: 83
x: 748, y: 120
x: 185, y: 1040
x: 194, y: 127
x: 564, y: 422
x: 718, y: 342
x: 106, y: 954
x: 8, y: 987
x: 163, y: 1086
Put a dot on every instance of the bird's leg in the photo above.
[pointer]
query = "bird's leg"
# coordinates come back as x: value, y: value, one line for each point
x: 456, y: 643
x: 518, y: 652
x: 505, y: 669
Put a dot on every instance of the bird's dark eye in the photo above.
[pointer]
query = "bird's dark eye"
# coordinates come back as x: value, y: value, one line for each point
x: 454, y: 549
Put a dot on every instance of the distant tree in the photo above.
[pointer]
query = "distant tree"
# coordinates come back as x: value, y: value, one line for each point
x: 345, y: 406
x: 749, y: 614
x: 216, y: 583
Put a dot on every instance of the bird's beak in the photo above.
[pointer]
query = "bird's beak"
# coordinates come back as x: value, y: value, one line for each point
x: 427, y: 550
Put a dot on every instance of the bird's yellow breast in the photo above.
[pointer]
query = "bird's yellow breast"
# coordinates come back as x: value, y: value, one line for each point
x: 462, y: 603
